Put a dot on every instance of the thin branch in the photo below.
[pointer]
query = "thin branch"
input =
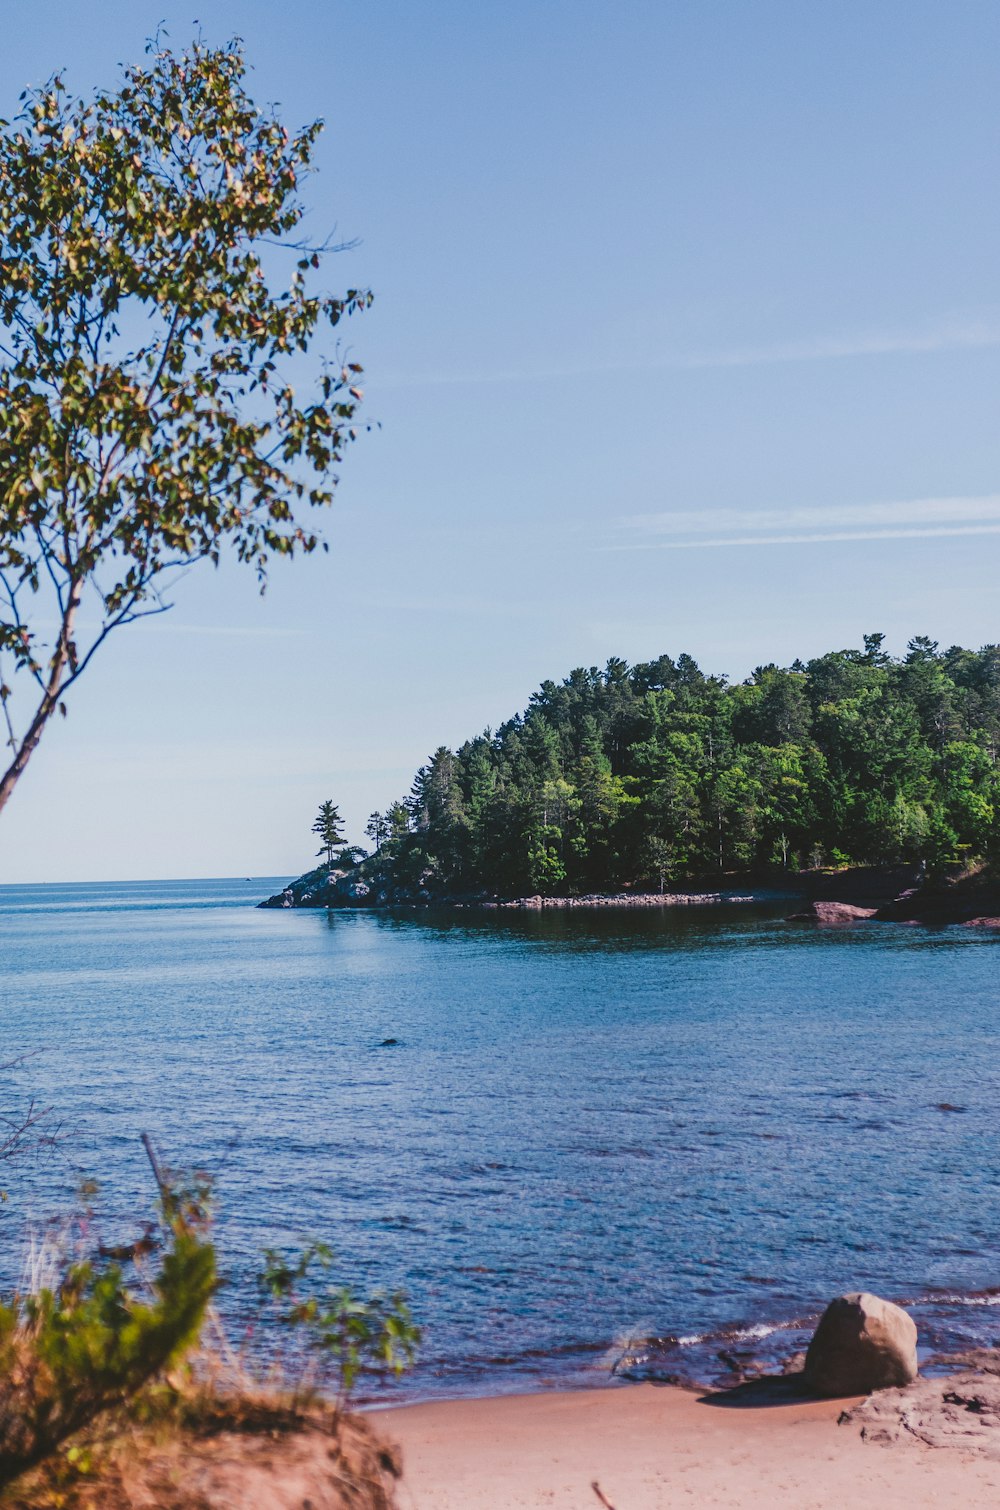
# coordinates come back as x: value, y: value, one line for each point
x: 45, y: 549
x: 162, y: 1183
x: 11, y: 734
x: 313, y: 249
x: 125, y: 615
x: 19, y: 624
x: 24, y: 1130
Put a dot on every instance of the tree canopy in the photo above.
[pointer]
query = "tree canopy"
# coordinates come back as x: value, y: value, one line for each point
x: 149, y: 334
x: 660, y: 773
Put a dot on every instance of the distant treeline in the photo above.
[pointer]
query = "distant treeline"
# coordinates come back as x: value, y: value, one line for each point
x: 656, y: 774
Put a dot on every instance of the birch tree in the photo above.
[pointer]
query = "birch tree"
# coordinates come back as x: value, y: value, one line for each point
x: 156, y: 297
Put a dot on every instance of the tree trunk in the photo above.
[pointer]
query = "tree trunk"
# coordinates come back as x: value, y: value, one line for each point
x: 49, y: 702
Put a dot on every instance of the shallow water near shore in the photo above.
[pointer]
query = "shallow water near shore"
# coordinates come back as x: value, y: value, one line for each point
x: 657, y: 1138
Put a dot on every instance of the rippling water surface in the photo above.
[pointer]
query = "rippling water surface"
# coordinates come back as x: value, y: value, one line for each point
x: 665, y: 1135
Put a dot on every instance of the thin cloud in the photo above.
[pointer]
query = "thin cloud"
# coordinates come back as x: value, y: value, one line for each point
x: 953, y: 335
x: 974, y: 508
x: 900, y: 519
x: 948, y: 337
x: 815, y: 539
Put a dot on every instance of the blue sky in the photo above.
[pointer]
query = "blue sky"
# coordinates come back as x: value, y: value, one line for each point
x: 686, y: 337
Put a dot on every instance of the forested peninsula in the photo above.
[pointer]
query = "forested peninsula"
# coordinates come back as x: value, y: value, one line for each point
x: 659, y: 776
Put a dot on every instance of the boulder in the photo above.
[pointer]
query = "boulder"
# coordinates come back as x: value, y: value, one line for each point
x: 862, y: 1344
x: 831, y: 912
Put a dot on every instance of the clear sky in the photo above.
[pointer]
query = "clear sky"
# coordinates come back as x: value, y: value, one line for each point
x: 686, y: 337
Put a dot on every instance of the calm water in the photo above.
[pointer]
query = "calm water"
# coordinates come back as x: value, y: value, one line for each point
x: 687, y: 1128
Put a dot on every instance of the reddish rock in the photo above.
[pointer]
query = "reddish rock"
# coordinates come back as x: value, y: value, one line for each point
x: 862, y: 1343
x: 960, y: 1410
x: 832, y: 912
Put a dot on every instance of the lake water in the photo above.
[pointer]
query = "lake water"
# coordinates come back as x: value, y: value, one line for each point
x: 686, y: 1128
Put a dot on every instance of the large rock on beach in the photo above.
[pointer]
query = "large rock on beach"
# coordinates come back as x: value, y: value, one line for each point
x: 862, y: 1343
x: 831, y: 912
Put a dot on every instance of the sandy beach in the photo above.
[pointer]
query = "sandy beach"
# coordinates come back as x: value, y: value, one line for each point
x: 657, y: 1448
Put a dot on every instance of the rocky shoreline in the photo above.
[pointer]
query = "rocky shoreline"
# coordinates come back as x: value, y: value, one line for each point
x: 638, y: 899
x: 892, y: 894
x: 343, y: 889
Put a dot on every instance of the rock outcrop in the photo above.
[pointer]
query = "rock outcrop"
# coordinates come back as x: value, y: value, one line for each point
x: 963, y: 898
x: 829, y: 913
x: 323, y: 888
x: 961, y: 1410
x: 862, y: 1343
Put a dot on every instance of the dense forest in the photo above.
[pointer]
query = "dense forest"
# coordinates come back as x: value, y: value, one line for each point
x: 658, y: 774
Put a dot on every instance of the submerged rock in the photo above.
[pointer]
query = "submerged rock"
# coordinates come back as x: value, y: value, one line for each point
x: 862, y: 1343
x: 831, y: 912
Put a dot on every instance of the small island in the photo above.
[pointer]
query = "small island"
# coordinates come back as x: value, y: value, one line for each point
x: 854, y: 780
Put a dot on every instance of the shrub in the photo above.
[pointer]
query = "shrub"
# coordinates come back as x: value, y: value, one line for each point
x: 92, y: 1340
x: 346, y: 1335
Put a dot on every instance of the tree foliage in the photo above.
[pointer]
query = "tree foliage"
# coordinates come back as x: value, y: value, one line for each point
x: 148, y: 340
x: 658, y: 773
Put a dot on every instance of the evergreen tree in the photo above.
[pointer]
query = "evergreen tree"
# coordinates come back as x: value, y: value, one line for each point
x: 329, y: 827
x: 633, y: 776
x: 377, y: 830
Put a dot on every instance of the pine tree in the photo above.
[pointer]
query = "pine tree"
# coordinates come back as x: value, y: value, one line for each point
x: 329, y: 827
x: 661, y: 774
x: 377, y: 829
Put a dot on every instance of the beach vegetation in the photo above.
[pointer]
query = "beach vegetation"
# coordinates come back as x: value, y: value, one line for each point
x: 116, y: 1344
x: 344, y: 1334
x: 92, y: 1337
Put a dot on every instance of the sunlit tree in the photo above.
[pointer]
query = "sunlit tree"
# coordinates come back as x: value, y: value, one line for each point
x: 149, y: 334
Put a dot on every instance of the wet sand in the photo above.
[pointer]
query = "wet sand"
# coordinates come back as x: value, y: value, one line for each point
x: 654, y: 1447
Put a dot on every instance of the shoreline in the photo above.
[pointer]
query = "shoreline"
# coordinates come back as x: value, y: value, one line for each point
x: 650, y: 1446
x: 317, y: 895
x: 749, y: 897
x: 888, y: 894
